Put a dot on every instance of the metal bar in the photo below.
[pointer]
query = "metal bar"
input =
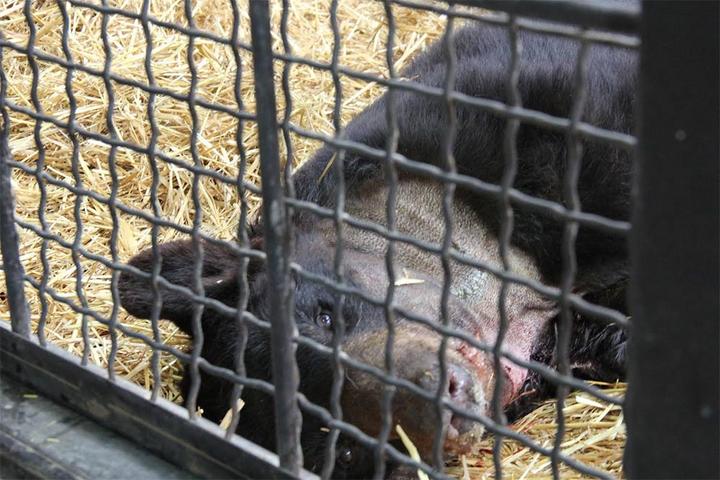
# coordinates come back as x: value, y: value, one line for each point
x: 137, y: 213
x: 77, y: 177
x: 475, y: 185
x: 39, y: 167
x: 276, y: 238
x: 199, y: 447
x: 155, y: 203
x: 601, y: 14
x: 198, y: 336
x: 242, y: 231
x: 388, y: 303
x: 568, y: 31
x: 114, y: 186
x: 523, y: 23
x: 571, y: 197
x: 215, y: 175
x: 9, y: 243
x: 672, y: 400
x: 448, y: 160
x: 495, y: 107
x: 338, y: 161
x: 550, y: 208
x: 80, y: 67
x: 510, y: 154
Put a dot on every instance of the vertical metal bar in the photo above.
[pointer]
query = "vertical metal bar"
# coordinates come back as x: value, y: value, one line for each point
x: 39, y: 170
x: 197, y: 246
x: 284, y: 366
x: 75, y: 166
x: 569, y: 260
x: 242, y: 233
x: 506, y: 229
x: 672, y: 401
x: 447, y: 205
x: 14, y: 273
x: 391, y: 180
x: 112, y: 201
x: 155, y: 203
x: 338, y: 320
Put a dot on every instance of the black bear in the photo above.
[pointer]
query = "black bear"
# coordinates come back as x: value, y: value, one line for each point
x: 546, y: 84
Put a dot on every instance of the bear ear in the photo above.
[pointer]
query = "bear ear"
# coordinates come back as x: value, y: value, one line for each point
x: 221, y: 267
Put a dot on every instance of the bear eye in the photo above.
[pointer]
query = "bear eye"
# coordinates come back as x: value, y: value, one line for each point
x: 324, y: 320
x: 345, y: 456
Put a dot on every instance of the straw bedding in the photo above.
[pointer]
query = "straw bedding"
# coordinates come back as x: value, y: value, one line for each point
x: 595, y: 431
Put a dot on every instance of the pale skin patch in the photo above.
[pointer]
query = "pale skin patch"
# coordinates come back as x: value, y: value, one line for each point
x: 474, y: 286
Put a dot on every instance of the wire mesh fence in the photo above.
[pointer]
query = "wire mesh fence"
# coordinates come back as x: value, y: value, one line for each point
x: 448, y: 258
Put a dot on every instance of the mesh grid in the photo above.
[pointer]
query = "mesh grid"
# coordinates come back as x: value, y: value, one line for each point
x: 514, y: 115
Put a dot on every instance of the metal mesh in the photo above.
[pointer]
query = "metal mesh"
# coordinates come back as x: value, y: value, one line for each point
x: 280, y: 203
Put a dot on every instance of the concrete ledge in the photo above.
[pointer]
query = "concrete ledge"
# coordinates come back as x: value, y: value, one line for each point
x: 42, y: 439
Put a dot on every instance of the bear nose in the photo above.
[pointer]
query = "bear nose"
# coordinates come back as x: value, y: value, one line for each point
x: 462, y: 392
x: 459, y: 382
x: 416, y: 361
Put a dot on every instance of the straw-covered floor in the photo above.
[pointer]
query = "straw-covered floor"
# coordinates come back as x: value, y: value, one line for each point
x: 595, y: 431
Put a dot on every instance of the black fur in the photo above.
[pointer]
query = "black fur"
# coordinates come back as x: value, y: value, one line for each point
x: 546, y: 85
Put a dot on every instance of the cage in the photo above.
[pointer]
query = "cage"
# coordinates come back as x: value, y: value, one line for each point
x: 131, y: 124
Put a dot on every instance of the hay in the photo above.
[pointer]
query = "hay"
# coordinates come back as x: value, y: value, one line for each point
x: 595, y: 435
x: 411, y: 449
x: 363, y: 30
